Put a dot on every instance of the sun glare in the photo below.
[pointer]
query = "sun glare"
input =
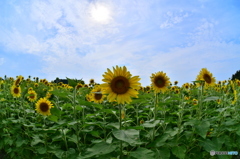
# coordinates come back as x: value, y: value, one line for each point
x: 100, y: 13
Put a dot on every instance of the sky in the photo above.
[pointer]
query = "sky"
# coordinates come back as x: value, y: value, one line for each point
x: 82, y: 38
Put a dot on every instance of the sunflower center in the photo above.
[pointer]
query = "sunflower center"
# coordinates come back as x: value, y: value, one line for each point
x: 32, y: 96
x: 159, y: 82
x: 120, y: 85
x: 44, y: 107
x: 207, y: 78
x: 98, y: 96
x: 16, y: 90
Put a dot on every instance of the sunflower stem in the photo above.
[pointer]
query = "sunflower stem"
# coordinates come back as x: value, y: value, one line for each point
x: 120, y: 128
x: 75, y: 116
x: 200, y: 100
x: 155, y: 114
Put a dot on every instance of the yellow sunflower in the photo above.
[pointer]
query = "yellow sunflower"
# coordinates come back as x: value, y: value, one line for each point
x: 97, y: 95
x: 43, y: 106
x: 32, y: 96
x: 48, y: 95
x: 195, y: 101
x: 160, y: 82
x: 18, y: 80
x: 120, y: 85
x: 88, y: 97
x: 79, y: 85
x: 16, y: 91
x: 206, y: 76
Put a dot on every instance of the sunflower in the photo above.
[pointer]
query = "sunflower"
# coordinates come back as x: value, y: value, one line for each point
x: 91, y: 82
x: 97, y: 96
x: 32, y: 96
x: 218, y: 101
x: 195, y: 101
x: 186, y: 86
x: 43, y: 106
x: 79, y: 85
x: 120, y: 85
x: 88, y: 97
x: 147, y: 88
x: 16, y: 91
x: 235, y: 97
x: 175, y: 83
x: 18, y: 80
x: 48, y: 95
x: 177, y: 91
x: 160, y: 82
x: 207, y: 77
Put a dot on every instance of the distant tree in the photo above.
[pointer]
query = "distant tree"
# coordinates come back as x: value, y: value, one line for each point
x: 236, y: 75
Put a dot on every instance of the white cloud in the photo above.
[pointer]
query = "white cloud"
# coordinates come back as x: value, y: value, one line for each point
x: 206, y: 31
x: 172, y: 18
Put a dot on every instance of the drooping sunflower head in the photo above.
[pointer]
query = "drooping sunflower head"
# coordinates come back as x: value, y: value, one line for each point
x: 43, y: 106
x: 120, y: 85
x: 207, y: 77
x: 18, y: 80
x: 16, y: 91
x: 160, y: 82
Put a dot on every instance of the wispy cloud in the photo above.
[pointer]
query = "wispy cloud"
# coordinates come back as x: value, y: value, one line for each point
x: 146, y: 36
x: 173, y: 18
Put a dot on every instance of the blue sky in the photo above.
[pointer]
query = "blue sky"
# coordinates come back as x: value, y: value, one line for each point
x: 49, y: 38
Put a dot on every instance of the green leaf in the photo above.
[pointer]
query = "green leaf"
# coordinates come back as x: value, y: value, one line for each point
x: 55, y: 111
x: 142, y: 153
x: 20, y: 142
x: 115, y: 125
x: 208, y: 145
x: 211, y: 98
x: 172, y: 132
x: 202, y: 128
x: 160, y: 141
x: 73, y: 138
x: 151, y: 124
x: 41, y: 150
x: 179, y: 151
x: 99, y: 149
x: 36, y: 140
x: 53, y: 118
x: 230, y: 122
x: 58, y: 152
x: 164, y: 153
x: 78, y: 107
x: 130, y: 136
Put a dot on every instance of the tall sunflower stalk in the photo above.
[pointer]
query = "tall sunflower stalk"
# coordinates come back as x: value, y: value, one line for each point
x: 155, y: 114
x: 120, y: 86
x: 160, y: 82
x: 205, y: 78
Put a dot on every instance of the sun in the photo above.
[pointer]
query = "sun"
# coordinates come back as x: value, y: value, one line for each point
x: 100, y: 13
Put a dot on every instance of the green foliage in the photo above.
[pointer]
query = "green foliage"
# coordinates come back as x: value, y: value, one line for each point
x: 171, y: 127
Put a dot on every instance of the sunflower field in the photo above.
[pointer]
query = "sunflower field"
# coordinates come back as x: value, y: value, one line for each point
x: 119, y: 119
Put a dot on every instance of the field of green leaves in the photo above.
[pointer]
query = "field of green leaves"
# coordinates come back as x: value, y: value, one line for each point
x: 185, y: 121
